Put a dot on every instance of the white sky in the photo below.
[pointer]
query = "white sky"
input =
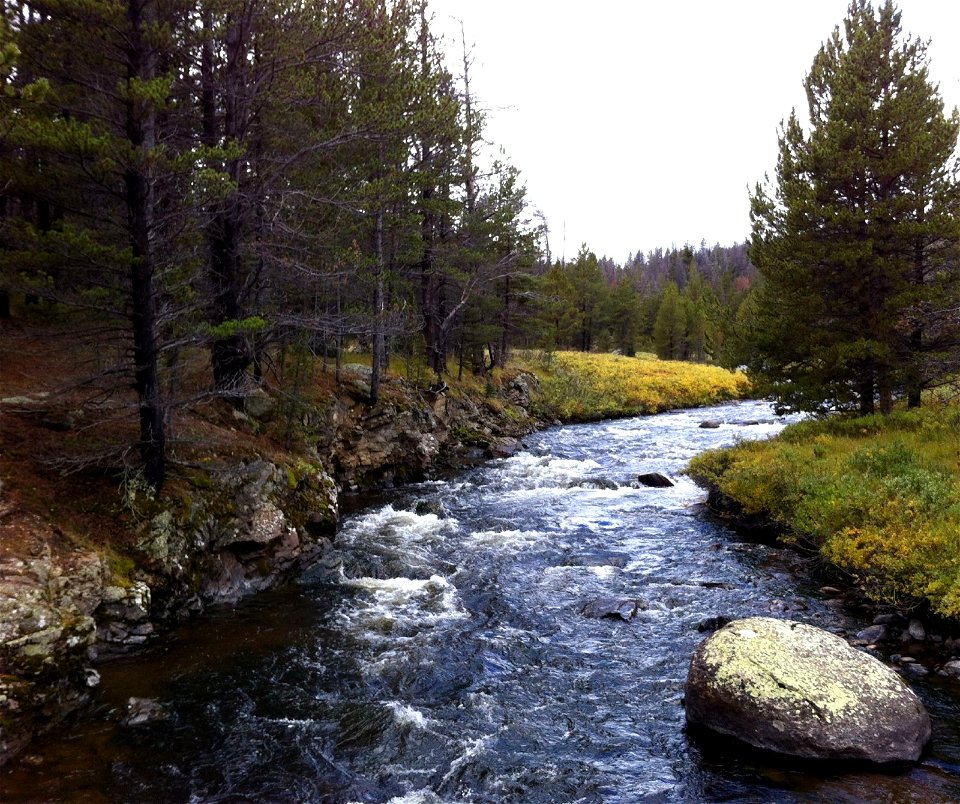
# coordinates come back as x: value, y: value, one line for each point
x: 639, y: 124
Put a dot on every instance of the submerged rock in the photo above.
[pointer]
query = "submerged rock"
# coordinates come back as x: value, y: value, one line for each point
x: 144, y: 710
x: 874, y: 633
x: 791, y: 688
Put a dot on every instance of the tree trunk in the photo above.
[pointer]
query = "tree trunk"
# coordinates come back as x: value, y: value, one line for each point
x: 379, y: 309
x: 501, y: 361
x: 866, y: 390
x: 139, y: 197
x: 914, y: 376
x: 230, y: 353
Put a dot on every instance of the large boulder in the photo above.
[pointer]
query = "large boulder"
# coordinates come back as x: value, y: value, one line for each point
x: 791, y: 688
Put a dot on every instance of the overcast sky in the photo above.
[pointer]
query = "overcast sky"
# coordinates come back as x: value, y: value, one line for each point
x: 639, y: 124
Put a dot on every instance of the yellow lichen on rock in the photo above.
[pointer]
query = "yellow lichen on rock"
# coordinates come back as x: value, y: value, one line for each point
x: 790, y: 687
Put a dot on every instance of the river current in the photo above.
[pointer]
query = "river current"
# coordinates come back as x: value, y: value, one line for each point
x: 452, y: 661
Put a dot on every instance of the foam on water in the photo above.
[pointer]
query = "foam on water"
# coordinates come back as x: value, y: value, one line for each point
x: 406, y: 715
x: 389, y: 525
x: 400, y: 604
x: 527, y: 471
x: 506, y: 538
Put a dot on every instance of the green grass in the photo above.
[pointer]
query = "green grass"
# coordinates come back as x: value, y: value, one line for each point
x: 879, y: 496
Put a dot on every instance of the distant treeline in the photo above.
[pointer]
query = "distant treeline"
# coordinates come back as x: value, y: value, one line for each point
x: 681, y: 303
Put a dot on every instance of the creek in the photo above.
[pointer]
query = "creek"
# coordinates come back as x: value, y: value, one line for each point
x: 452, y: 662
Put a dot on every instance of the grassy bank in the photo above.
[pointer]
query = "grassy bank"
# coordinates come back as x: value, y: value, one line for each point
x: 879, y: 496
x: 578, y: 386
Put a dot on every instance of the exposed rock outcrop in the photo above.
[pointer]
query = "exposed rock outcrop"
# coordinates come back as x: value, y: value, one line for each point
x: 47, y: 635
x: 229, y: 531
x: 255, y: 524
x: 413, y: 435
x: 794, y: 689
x: 243, y: 529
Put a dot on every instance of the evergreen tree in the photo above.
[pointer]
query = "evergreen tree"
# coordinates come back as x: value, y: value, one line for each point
x: 856, y: 243
x: 590, y: 291
x: 670, y: 327
x: 622, y: 313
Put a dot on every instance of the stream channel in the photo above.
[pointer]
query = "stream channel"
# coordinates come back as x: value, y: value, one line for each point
x: 451, y: 661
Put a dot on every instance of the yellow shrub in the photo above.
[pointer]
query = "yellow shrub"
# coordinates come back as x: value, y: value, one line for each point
x: 582, y: 385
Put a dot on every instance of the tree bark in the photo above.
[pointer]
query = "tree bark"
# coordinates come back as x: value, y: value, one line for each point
x: 139, y: 198
x: 230, y: 353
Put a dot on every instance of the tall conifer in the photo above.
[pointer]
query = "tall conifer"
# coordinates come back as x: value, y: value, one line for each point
x: 856, y: 241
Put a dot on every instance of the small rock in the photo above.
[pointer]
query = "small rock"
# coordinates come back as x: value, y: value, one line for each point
x: 435, y: 507
x: 613, y: 607
x: 144, y: 710
x: 712, y: 623
x: 951, y: 668
x: 917, y: 631
x: 259, y: 405
x: 874, y: 633
x: 503, y: 447
x: 830, y: 590
x: 655, y: 480
x: 710, y: 424
x: 916, y: 669
x: 885, y: 619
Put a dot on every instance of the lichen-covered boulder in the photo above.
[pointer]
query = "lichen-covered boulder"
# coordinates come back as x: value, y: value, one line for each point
x: 791, y: 688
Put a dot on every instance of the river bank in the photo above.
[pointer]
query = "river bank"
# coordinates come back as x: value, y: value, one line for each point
x: 873, y: 502
x: 92, y: 565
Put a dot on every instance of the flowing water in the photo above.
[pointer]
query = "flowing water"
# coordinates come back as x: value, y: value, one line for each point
x: 452, y: 662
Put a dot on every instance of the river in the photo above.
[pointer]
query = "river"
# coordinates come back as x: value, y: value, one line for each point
x: 452, y: 662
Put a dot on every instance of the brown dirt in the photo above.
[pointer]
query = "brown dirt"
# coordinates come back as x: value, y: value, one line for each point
x: 64, y: 457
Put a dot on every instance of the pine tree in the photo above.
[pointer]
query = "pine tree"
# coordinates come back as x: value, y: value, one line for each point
x: 856, y: 243
x: 670, y: 327
x: 100, y: 179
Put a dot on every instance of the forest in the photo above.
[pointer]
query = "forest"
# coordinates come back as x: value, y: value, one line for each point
x: 270, y: 181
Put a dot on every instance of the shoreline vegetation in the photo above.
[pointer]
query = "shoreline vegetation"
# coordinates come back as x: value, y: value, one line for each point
x: 878, y: 497
x: 581, y: 386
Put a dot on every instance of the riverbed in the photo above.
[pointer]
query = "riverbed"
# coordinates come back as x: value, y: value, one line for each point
x: 451, y: 661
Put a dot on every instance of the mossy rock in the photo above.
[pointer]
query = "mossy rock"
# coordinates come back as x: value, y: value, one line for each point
x: 798, y: 690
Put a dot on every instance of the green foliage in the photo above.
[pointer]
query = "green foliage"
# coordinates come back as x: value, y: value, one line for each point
x: 880, y: 497
x: 250, y: 325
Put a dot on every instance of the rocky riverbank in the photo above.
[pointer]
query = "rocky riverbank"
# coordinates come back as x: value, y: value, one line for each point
x: 231, y: 522
x: 911, y: 639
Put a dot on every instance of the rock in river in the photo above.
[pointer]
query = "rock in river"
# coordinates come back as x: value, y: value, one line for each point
x: 655, y: 479
x: 791, y: 688
x: 612, y: 607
